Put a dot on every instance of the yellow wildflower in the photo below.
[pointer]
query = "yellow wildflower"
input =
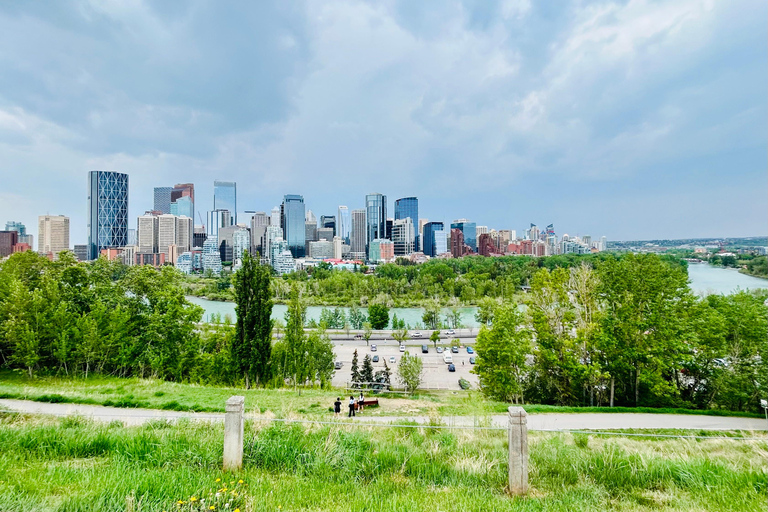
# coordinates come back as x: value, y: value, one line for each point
x: 237, y: 510
x: 212, y: 507
x: 239, y: 481
x: 192, y: 499
x: 218, y: 479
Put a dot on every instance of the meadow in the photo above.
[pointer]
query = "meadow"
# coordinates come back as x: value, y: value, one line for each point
x: 75, y: 465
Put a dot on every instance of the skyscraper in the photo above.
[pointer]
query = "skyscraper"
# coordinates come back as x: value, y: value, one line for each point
x: 408, y: 208
x: 376, y: 217
x: 218, y: 219
x: 107, y: 211
x: 357, y: 234
x: 146, y: 237
x: 166, y: 234
x: 403, y: 236
x: 430, y: 228
x: 162, y: 200
x: 469, y: 232
x: 21, y: 229
x: 292, y: 222
x: 275, y: 217
x: 225, y: 198
x: 259, y: 223
x: 52, y: 234
x: 184, y: 190
x: 328, y: 221
x: 184, y: 234
x: 343, y: 223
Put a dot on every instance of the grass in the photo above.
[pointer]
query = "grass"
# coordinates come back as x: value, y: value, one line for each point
x: 75, y: 465
x: 158, y: 394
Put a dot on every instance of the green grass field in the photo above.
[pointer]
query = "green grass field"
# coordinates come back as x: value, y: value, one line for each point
x: 158, y: 394
x: 74, y: 465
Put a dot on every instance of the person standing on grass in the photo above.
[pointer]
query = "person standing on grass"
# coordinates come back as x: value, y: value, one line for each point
x: 337, y: 406
x: 360, y: 402
x: 351, y: 405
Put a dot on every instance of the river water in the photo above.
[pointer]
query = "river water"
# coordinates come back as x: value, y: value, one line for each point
x: 705, y: 279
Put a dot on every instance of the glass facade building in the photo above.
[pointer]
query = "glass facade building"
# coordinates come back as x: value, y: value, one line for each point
x: 183, y: 206
x: 225, y: 198
x: 292, y: 221
x: 162, y: 199
x: 376, y: 217
x: 408, y: 207
x: 429, y: 237
x: 107, y: 211
x: 469, y: 230
x: 343, y: 224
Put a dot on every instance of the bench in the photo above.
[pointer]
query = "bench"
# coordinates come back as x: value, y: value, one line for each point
x: 368, y: 402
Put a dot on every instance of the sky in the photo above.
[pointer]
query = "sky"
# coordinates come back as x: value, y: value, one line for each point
x: 631, y: 119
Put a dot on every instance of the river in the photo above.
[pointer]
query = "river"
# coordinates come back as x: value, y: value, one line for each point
x: 704, y: 279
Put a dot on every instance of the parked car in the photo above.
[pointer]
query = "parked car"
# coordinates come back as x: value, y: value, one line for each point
x: 337, y: 365
x: 402, y: 348
x: 376, y: 359
x: 374, y: 348
x: 392, y: 360
x: 425, y: 349
x: 417, y: 334
x: 451, y: 332
x: 358, y: 336
x: 439, y: 350
x: 451, y: 367
x: 472, y: 360
x: 447, y: 358
x: 455, y: 349
x: 470, y: 350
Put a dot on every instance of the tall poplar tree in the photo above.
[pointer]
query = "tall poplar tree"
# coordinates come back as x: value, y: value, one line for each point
x: 252, y: 346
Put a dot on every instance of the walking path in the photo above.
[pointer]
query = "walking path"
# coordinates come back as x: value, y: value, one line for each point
x: 543, y: 421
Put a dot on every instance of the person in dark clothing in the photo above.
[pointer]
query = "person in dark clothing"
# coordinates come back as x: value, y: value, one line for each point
x: 351, y: 405
x: 337, y: 406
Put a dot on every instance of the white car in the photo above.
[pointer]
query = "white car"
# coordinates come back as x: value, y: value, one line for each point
x: 402, y: 348
x: 392, y: 360
x: 374, y: 348
x: 451, y: 332
x: 417, y: 334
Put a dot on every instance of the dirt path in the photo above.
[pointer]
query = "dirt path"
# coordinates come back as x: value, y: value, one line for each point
x: 545, y: 421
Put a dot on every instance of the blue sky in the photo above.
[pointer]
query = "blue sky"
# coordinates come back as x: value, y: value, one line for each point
x: 630, y: 119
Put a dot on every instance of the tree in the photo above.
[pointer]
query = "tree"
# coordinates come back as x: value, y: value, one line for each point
x: 356, y: 317
x: 501, y: 353
x: 295, y: 337
x: 252, y: 346
x: 400, y: 335
x: 321, y: 357
x: 485, y: 310
x: 410, y: 371
x: 367, y: 333
x: 435, y: 337
x: 378, y: 316
x: 366, y: 376
x: 431, y: 316
x: 356, y: 377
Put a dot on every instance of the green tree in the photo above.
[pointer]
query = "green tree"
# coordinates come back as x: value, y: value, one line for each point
x: 485, y: 310
x: 435, y: 337
x: 295, y: 337
x: 366, y: 376
x: 378, y: 316
x: 431, y: 316
x: 367, y: 333
x: 501, y: 355
x: 356, y: 376
x: 410, y: 371
x: 356, y: 318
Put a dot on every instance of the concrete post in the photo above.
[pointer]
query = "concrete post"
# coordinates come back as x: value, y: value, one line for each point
x: 518, y: 451
x: 233, y: 433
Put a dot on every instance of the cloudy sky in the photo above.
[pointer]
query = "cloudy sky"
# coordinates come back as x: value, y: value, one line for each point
x: 630, y: 119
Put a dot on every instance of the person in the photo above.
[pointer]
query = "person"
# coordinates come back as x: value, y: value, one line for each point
x: 351, y: 405
x: 337, y: 406
x: 360, y: 402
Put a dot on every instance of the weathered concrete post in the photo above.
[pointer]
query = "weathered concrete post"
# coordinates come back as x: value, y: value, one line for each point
x: 518, y: 451
x: 233, y: 433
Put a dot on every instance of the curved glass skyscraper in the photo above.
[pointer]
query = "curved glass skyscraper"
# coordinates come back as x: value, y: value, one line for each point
x: 107, y: 211
x: 292, y: 220
x: 225, y: 198
x: 376, y: 217
x: 408, y: 208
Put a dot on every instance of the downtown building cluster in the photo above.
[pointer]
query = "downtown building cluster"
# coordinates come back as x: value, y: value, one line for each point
x: 289, y: 237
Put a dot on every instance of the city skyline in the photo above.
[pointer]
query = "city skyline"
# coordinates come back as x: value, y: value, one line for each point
x: 633, y: 119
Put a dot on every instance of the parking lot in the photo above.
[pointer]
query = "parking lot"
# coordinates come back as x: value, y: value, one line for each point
x: 436, y: 374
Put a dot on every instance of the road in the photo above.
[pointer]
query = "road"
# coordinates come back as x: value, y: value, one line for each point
x: 543, y: 421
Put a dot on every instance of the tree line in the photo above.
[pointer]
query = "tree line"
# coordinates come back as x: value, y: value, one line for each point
x: 626, y: 331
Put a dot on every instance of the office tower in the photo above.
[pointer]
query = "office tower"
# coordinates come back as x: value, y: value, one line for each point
x: 338, y: 242
x: 320, y: 250
x: 183, y: 194
x: 381, y: 251
x: 107, y: 211
x: 166, y: 234
x: 81, y: 252
x: 532, y: 233
x: 457, y: 243
x: 8, y: 239
x: 440, y: 241
x: 292, y: 216
x: 358, y: 234
x: 147, y: 233
x: 184, y: 233
x: 420, y: 234
x: 259, y: 223
x: 310, y: 217
x: 21, y: 229
x: 403, y: 236
x: 587, y: 240
x: 275, y: 217
x: 408, y: 207
x: 376, y: 217
x: 310, y: 231
x: 225, y: 198
x: 485, y: 245
x: 131, y: 238
x: 199, y: 236
x: 211, y: 259
x: 53, y: 234
x: 430, y: 228
x: 325, y: 234
x: 388, y: 229
x: 227, y: 243
x: 328, y: 221
x: 343, y: 223
x: 480, y: 230
x: 241, y: 242
x: 469, y: 233
x: 603, y: 243
x: 281, y: 258
x: 218, y: 219
x: 162, y: 199
x: 273, y: 233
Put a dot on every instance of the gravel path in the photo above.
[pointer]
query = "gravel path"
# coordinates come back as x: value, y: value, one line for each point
x: 546, y: 421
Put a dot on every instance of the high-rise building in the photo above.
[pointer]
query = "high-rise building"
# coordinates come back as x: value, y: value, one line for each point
x: 376, y: 217
x: 218, y: 219
x: 8, y: 239
x: 199, y: 236
x: 273, y: 233
x: 325, y: 234
x: 440, y: 242
x: 430, y: 228
x: 338, y: 250
x: 183, y: 206
x: 408, y: 207
x: 310, y: 217
x: 469, y: 232
x: 184, y: 233
x: 321, y: 250
x: 480, y: 230
x: 275, y: 218
x: 183, y: 194
x: 225, y: 198
x: 166, y: 234
x: 328, y: 221
x: 457, y: 243
x: 211, y: 258
x: 107, y: 211
x: 343, y: 223
x: 358, y: 234
x: 292, y: 217
x: 147, y: 233
x: 163, y: 199
x: 53, y: 234
x: 21, y: 229
x: 281, y: 258
x: 241, y: 242
x: 403, y: 236
x: 81, y: 252
x: 381, y: 251
x: 259, y: 223
x: 420, y: 234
